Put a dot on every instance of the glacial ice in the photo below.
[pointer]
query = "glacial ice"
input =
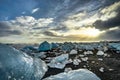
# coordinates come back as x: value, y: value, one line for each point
x: 16, y: 65
x: 115, y: 45
x: 100, y: 53
x: 80, y: 74
x: 73, y: 51
x: 59, y: 61
x: 54, y: 45
x: 45, y: 46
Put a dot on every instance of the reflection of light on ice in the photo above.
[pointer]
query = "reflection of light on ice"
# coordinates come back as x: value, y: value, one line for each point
x: 59, y: 61
x: 80, y: 74
x: 28, y: 60
x: 101, y: 69
x: 16, y: 64
x: 100, y: 53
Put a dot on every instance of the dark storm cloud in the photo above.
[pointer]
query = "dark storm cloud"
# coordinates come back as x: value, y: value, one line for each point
x: 61, y: 10
x: 111, y: 35
x: 71, y: 7
x: 5, y: 30
x: 62, y: 28
x: 58, y: 9
x: 58, y: 27
x: 49, y: 33
x: 41, y: 28
x: 112, y: 22
x: 4, y: 26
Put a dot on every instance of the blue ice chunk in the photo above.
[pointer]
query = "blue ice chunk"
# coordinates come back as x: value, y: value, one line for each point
x: 45, y: 46
x: 15, y: 65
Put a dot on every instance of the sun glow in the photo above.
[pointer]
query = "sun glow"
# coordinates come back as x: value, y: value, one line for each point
x: 85, y: 32
x: 90, y: 32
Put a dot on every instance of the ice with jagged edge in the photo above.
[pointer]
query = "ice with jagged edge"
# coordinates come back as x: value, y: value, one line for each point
x: 59, y: 61
x: 80, y: 74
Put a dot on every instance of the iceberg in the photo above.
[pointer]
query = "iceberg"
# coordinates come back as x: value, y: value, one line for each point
x: 115, y: 46
x: 67, y: 46
x: 59, y: 61
x: 16, y: 65
x: 54, y: 45
x: 29, y: 49
x: 80, y: 74
x: 45, y: 46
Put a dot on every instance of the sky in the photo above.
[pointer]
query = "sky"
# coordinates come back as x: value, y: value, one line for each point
x: 34, y: 21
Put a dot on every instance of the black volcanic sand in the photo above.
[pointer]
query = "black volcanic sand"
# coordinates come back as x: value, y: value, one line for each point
x: 111, y: 65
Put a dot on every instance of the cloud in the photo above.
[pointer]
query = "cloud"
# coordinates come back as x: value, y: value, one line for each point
x: 26, y: 26
x: 87, y: 16
x: 112, y: 22
x: 110, y: 11
x: 65, y: 19
x: 51, y: 33
x: 35, y: 10
x: 110, y: 17
x: 30, y: 23
x: 6, y: 30
x: 111, y: 35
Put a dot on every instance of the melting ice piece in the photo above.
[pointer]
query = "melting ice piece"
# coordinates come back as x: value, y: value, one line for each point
x: 88, y: 52
x: 76, y: 61
x: 80, y: 74
x: 59, y: 61
x: 73, y: 51
x: 40, y: 55
x: 67, y: 69
x: 100, y: 53
x: 101, y: 69
x: 15, y: 65
x: 84, y: 59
